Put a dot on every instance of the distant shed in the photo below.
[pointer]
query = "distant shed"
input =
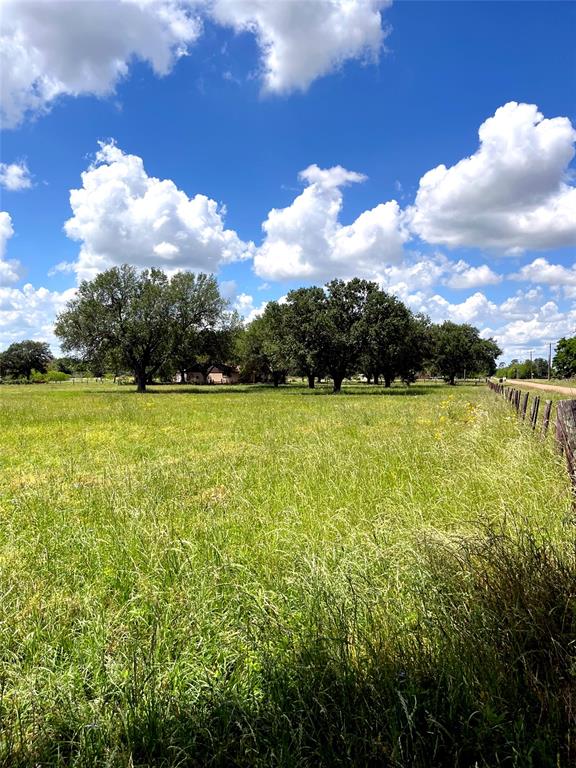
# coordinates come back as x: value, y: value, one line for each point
x: 194, y: 375
x: 223, y: 374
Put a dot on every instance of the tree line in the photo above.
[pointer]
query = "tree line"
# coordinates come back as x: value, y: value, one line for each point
x: 154, y: 325
x: 354, y: 327
x: 563, y: 364
x: 527, y: 369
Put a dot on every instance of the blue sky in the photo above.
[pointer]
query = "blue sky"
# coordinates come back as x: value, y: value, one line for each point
x: 197, y: 150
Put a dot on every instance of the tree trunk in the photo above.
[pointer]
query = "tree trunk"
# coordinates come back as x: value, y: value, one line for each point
x: 275, y: 379
x: 337, y: 381
x: 182, y: 377
x: 376, y: 379
x: 140, y: 381
x: 368, y: 378
x: 451, y: 380
x: 387, y: 381
x: 311, y: 378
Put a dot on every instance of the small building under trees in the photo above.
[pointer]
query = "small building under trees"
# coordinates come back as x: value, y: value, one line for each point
x: 193, y: 375
x: 223, y: 374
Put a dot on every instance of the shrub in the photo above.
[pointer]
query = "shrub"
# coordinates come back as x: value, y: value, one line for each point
x: 52, y: 376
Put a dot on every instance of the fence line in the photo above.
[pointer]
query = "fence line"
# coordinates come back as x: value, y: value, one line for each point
x: 521, y: 400
x: 565, y: 432
x: 566, y: 435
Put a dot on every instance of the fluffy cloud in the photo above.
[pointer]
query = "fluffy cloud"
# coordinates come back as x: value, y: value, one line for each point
x: 49, y: 48
x: 512, y: 194
x: 465, y: 276
x: 15, y: 176
x: 6, y: 231
x: 123, y: 215
x: 545, y: 325
x: 524, y: 321
x: 302, y: 40
x: 476, y: 308
x: 9, y: 269
x: 306, y: 239
x: 244, y: 305
x: 523, y: 305
x: 541, y: 271
x: 419, y: 273
x: 28, y: 313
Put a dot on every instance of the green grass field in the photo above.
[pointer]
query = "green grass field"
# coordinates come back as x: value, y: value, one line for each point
x: 258, y: 577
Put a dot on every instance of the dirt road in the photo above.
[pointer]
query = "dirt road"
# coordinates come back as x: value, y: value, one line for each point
x: 570, y: 391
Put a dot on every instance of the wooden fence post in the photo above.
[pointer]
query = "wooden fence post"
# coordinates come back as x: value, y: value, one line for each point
x: 524, y: 406
x: 546, y: 419
x: 534, y: 412
x: 566, y: 434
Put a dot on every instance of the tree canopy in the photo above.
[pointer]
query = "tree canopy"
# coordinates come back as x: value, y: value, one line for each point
x: 23, y: 357
x: 306, y: 328
x: 354, y: 326
x: 395, y: 342
x: 140, y: 319
x: 459, y: 349
x: 345, y: 319
x: 266, y: 350
x: 565, y: 358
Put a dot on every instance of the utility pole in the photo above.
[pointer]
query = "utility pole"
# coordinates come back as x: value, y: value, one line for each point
x: 549, y: 361
x: 531, y: 365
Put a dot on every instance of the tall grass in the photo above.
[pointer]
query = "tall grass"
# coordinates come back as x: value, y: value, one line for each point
x: 257, y: 578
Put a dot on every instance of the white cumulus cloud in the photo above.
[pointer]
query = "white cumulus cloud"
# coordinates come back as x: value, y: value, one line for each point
x: 307, y: 241
x: 28, y: 313
x: 523, y: 304
x: 527, y: 320
x: 535, y: 331
x: 541, y: 271
x: 465, y: 276
x: 421, y: 272
x: 9, y: 269
x: 120, y: 214
x: 53, y: 48
x: 244, y: 305
x: 72, y: 47
x: 302, y: 40
x: 6, y: 231
x: 476, y: 309
x: 511, y: 194
x: 15, y: 176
